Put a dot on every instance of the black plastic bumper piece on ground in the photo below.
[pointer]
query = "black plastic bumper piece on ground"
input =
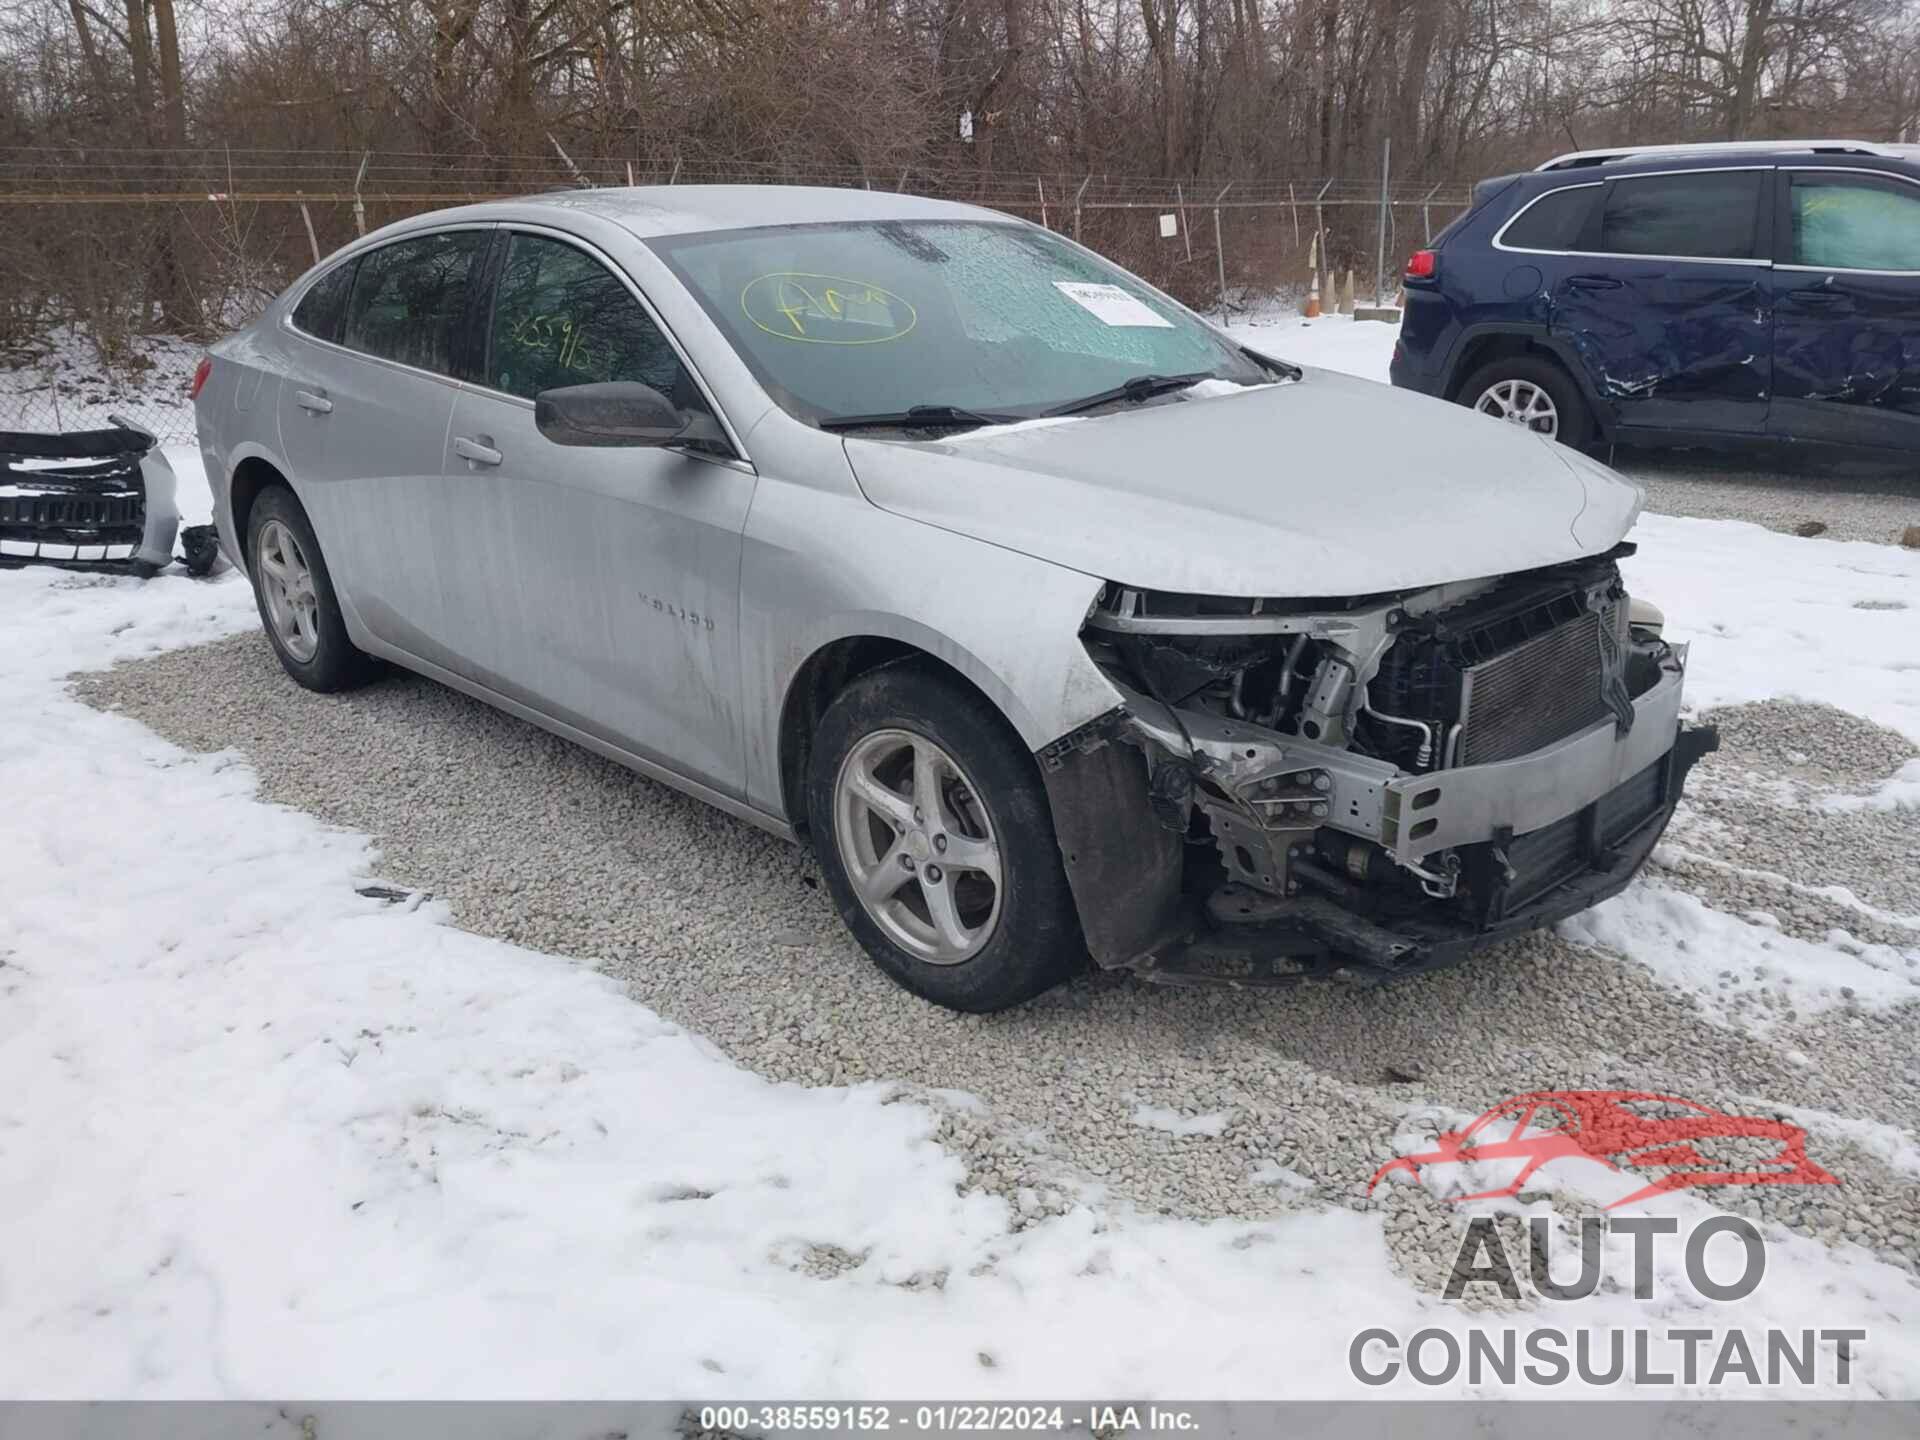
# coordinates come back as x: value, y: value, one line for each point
x: 1312, y: 936
x: 93, y: 499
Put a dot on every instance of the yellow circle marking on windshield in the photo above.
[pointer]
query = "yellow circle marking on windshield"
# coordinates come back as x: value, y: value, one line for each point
x: 825, y: 309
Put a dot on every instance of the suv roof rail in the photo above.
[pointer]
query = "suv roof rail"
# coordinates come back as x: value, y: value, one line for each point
x: 1580, y: 159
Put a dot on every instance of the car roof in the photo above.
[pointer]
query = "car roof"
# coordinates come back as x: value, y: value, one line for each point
x: 652, y: 210
x: 1725, y: 150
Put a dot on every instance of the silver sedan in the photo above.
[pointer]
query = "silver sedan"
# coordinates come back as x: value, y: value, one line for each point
x: 1061, y: 625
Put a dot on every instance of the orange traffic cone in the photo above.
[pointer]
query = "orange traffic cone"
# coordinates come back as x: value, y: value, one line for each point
x: 1312, y: 308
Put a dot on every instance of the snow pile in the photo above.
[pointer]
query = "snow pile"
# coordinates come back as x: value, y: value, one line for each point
x: 1774, y: 616
x: 1900, y: 791
x: 1172, y: 1122
x: 1719, y: 957
x: 1272, y: 1172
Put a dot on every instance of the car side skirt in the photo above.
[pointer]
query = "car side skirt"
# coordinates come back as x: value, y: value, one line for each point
x: 737, y: 808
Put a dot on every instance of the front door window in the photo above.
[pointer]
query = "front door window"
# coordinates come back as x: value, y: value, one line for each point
x: 562, y: 318
x: 1855, y: 223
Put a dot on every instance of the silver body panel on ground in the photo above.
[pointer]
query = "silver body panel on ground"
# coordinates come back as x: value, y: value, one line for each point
x: 163, y: 512
x: 657, y: 605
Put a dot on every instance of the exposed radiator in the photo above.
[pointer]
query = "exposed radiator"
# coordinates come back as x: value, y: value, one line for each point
x: 1540, y: 691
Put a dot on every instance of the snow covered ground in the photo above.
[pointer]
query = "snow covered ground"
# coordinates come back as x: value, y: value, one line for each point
x: 61, y: 384
x: 261, y: 1134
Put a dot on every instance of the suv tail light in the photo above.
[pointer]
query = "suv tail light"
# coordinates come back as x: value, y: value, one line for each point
x: 200, y: 373
x: 1423, y: 265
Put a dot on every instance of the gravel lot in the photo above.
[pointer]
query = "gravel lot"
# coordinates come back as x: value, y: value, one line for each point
x: 1192, y: 1102
x: 1854, y: 500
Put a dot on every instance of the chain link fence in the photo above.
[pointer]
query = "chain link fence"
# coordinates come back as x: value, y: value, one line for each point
x: 81, y: 339
x: 63, y: 383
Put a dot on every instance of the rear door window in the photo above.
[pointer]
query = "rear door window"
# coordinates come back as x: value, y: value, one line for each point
x: 1555, y: 221
x: 562, y: 318
x: 324, y: 306
x: 1854, y: 222
x: 409, y: 298
x: 1704, y: 215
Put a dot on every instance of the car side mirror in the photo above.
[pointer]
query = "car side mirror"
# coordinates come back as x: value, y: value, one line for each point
x: 617, y: 412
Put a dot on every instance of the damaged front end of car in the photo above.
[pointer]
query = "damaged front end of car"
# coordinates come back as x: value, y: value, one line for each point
x: 1370, y: 787
x: 87, y: 498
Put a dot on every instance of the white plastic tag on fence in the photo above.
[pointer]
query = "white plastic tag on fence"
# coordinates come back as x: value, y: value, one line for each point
x: 1169, y: 226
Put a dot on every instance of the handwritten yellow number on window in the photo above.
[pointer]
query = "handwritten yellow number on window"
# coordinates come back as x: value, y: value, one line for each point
x: 825, y: 309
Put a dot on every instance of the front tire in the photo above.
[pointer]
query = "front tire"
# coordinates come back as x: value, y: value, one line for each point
x: 932, y: 827
x: 1534, y: 393
x: 294, y: 591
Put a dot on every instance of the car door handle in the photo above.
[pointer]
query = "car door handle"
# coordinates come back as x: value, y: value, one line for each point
x: 1592, y: 282
x: 1814, y: 297
x: 309, y: 400
x: 476, y: 450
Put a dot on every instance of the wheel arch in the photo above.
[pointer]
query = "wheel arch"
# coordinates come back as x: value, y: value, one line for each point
x: 1123, y: 868
x: 252, y: 475
x: 1480, y: 345
x: 836, y: 664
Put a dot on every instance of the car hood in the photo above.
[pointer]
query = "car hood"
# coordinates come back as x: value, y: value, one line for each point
x: 1330, y: 486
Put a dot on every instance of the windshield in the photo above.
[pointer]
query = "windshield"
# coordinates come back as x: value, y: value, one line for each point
x: 996, y: 319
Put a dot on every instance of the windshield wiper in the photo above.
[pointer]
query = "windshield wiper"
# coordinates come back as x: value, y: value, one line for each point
x: 918, y: 417
x: 1279, y: 369
x: 1140, y: 387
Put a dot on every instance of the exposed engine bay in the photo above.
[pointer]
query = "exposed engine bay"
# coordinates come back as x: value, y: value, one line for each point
x: 1370, y: 786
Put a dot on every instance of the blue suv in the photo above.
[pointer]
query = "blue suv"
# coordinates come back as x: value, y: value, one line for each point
x: 1690, y: 294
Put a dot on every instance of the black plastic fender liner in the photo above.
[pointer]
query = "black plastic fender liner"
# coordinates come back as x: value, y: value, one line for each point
x: 1123, y: 866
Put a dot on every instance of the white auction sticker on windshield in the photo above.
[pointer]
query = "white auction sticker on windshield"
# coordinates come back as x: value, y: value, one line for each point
x: 1111, y: 305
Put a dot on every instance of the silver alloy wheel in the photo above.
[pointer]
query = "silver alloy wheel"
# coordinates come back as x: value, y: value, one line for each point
x: 1521, y: 402
x: 286, y: 583
x: 918, y: 846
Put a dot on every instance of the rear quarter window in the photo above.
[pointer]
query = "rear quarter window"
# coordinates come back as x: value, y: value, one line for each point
x: 323, y: 307
x: 1553, y: 222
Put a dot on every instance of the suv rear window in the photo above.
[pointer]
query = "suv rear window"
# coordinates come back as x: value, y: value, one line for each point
x: 1705, y: 215
x: 1554, y: 221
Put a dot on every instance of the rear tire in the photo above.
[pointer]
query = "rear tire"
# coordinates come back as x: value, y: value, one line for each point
x: 932, y: 827
x: 1524, y: 382
x: 294, y: 591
